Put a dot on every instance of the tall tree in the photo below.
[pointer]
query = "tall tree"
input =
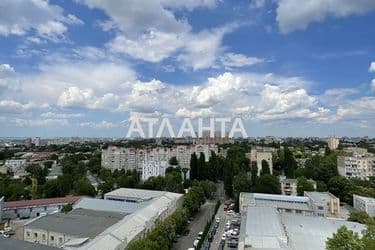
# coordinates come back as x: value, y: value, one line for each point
x: 193, y: 167
x: 268, y: 184
x: 303, y: 184
x: 265, y: 168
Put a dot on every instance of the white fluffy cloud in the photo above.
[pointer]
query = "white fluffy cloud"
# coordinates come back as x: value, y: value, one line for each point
x: 99, y: 125
x: 373, y: 85
x: 11, y: 106
x: 5, y: 70
x: 239, y: 60
x: 297, y: 15
x: 19, y: 122
x: 24, y: 16
x: 372, y: 67
x: 150, y: 31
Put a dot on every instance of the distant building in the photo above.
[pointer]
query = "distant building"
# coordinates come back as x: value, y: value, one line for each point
x: 15, y: 164
x: 132, y: 158
x: 153, y: 169
x: 333, y: 143
x: 289, y: 186
x: 324, y: 204
x: 35, y: 208
x: 28, y: 142
x: 360, y: 165
x: 264, y: 227
x: 364, y: 204
x: 217, y: 138
x: 261, y: 154
x: 54, y: 172
x: 36, y: 141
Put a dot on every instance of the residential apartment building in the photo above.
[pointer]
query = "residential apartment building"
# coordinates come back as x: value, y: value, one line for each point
x: 153, y: 169
x: 364, y: 204
x: 360, y: 165
x: 14, y: 165
x: 289, y: 186
x: 333, y: 143
x: 132, y: 158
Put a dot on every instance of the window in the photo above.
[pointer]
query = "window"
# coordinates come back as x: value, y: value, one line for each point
x: 52, y: 238
x: 28, y: 234
x: 320, y: 207
x: 35, y: 235
x: 60, y: 240
x: 44, y: 237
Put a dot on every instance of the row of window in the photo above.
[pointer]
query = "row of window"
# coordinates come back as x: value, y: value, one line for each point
x: 52, y: 238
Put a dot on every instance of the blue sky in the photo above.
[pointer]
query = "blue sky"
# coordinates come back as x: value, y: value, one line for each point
x: 86, y: 67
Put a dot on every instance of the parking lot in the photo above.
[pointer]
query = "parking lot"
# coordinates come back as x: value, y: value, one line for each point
x: 226, y: 230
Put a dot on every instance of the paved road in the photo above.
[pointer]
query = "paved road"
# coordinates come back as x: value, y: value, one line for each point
x: 196, y: 226
x: 220, y: 230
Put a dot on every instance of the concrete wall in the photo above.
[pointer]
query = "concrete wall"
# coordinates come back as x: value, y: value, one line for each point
x: 45, y: 237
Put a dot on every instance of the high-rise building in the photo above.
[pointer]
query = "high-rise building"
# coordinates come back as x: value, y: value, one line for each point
x: 132, y: 158
x: 333, y: 143
x: 360, y: 165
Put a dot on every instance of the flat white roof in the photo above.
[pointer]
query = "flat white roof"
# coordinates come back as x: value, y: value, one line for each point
x: 136, y: 193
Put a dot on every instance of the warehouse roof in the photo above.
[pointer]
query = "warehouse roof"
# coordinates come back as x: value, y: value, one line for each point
x: 79, y: 222
x: 109, y: 205
x: 141, y: 194
x: 320, y: 196
x: 41, y: 202
x: 311, y: 232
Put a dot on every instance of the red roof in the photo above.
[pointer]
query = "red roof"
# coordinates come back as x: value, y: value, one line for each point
x: 41, y: 202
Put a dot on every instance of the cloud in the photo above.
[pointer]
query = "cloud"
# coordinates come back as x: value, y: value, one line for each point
x: 38, y: 17
x: 60, y: 115
x: 372, y: 67
x: 10, y: 106
x: 19, y: 122
x: 5, y: 70
x: 239, y: 60
x: 152, y: 32
x: 98, y: 125
x: 294, y: 15
x: 373, y: 85
x: 75, y: 97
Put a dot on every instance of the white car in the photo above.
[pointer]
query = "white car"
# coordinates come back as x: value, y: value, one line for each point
x: 195, y: 244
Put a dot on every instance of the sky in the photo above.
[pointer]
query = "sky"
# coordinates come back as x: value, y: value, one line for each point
x: 285, y: 67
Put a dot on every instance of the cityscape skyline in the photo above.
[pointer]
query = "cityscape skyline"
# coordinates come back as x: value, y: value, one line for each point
x: 86, y: 68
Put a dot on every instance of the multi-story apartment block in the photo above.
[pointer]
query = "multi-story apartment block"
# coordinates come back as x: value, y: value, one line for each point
x: 153, y: 168
x: 364, y: 204
x: 131, y: 158
x: 333, y: 143
x: 15, y: 164
x: 360, y: 165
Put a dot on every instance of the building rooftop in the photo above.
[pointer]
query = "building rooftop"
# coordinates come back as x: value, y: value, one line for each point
x: 320, y: 196
x: 9, y: 243
x: 311, y: 233
x: 109, y: 205
x: 79, y: 222
x: 263, y: 229
x: 275, y: 200
x: 367, y: 199
x: 41, y: 202
x: 141, y: 194
x: 266, y: 228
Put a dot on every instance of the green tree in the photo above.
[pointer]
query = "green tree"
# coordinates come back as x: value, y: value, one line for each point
x: 303, y: 184
x: 254, y: 173
x: 84, y: 187
x: 361, y: 217
x: 265, y: 168
x: 173, y: 161
x: 290, y: 164
x: 193, y: 167
x: 341, y: 187
x: 345, y: 239
x: 67, y: 208
x: 267, y: 184
x: 242, y: 183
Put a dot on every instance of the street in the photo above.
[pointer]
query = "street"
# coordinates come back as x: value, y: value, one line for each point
x: 196, y: 226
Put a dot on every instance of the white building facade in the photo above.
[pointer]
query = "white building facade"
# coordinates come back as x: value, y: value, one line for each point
x: 364, y: 204
x: 153, y: 169
x: 132, y: 158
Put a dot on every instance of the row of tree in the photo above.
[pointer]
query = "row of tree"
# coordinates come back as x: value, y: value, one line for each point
x: 164, y: 232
